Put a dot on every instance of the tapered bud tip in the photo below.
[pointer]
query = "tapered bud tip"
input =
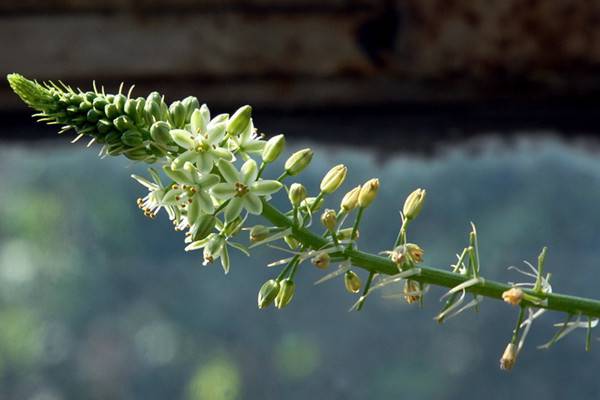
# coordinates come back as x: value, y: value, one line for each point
x: 352, y: 282
x: 350, y: 199
x: 509, y: 357
x: 273, y: 148
x: 368, y: 192
x: 267, y: 293
x: 333, y: 179
x: 321, y: 260
x: 286, y: 293
x: 513, y: 296
x: 239, y: 120
x: 413, y: 204
x: 297, y: 194
x: 31, y: 92
x: 298, y: 161
x: 329, y: 219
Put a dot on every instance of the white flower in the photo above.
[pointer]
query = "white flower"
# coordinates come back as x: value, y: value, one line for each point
x: 190, y: 191
x: 241, y: 189
x: 152, y: 202
x: 247, y: 142
x: 202, y: 144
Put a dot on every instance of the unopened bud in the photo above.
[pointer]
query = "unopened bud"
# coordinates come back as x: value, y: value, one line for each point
x: 352, y: 282
x: 333, y: 179
x: 321, y: 260
x: 258, y: 233
x: 513, y: 296
x: 159, y: 131
x: 509, y: 357
x: 350, y: 199
x: 329, y: 219
x: 213, y: 249
x: 298, y: 161
x: 297, y: 194
x: 132, y: 138
x: 239, y: 120
x: 267, y: 293
x: 178, y: 113
x: 413, y: 204
x: 368, y: 192
x: 273, y: 148
x: 286, y: 292
x: 346, y: 234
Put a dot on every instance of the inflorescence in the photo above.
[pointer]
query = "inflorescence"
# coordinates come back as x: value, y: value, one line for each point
x: 209, y: 179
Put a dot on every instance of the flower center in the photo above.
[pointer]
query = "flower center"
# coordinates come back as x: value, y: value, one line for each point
x: 240, y: 189
x: 202, y: 147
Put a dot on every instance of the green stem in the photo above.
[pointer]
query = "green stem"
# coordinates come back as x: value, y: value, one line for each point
x: 434, y: 276
x: 365, y: 291
x: 515, y: 335
x: 359, y: 216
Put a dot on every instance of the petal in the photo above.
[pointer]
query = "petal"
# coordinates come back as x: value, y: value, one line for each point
x: 179, y: 176
x: 218, y: 119
x: 204, y: 162
x: 193, y: 211
x: 216, y: 133
x: 170, y: 197
x: 199, y: 119
x: 183, y: 138
x: 223, y: 191
x: 228, y: 171
x: 252, y: 203
x: 188, y: 155
x: 246, y: 135
x: 256, y: 146
x: 249, y: 171
x: 206, y: 181
x: 221, y: 152
x: 204, y: 202
x: 234, y: 208
x: 143, y: 181
x: 263, y: 188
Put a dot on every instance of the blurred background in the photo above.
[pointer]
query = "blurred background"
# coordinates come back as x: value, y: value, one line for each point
x: 489, y: 105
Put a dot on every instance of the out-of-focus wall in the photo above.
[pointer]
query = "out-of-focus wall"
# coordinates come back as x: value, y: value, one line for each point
x: 288, y: 53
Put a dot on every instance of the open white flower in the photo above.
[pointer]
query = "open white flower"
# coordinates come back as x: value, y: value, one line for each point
x: 202, y: 142
x: 152, y: 202
x: 248, y: 141
x: 190, y: 191
x: 241, y: 189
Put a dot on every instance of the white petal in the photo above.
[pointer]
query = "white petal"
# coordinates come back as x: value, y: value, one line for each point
x: 223, y: 191
x: 233, y: 209
x: 252, y: 203
x: 228, y: 171
x: 249, y: 172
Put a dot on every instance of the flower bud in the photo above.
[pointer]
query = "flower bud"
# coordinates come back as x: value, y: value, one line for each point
x: 273, y: 148
x: 111, y: 111
x: 123, y: 123
x: 159, y: 131
x: 258, y: 233
x: 350, y: 199
x: 513, y: 296
x: 413, y: 204
x: 509, y: 357
x: 267, y: 293
x: 213, y: 249
x: 286, y: 293
x: 368, y: 192
x: 132, y: 138
x: 178, y: 113
x: 298, y: 161
x: 202, y: 226
x: 233, y: 227
x: 297, y: 194
x: 333, y: 179
x: 329, y: 219
x: 136, y: 154
x: 346, y: 233
x: 190, y: 103
x: 321, y: 260
x: 239, y: 120
x: 291, y: 241
x: 352, y: 282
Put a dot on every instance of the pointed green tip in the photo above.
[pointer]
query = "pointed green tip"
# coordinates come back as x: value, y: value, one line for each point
x: 31, y: 92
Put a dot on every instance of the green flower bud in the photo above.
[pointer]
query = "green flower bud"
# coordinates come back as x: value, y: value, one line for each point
x: 350, y: 199
x: 139, y: 154
x: 119, y: 101
x: 132, y: 138
x: 213, y: 248
x: 267, y: 293
x: 258, y: 233
x: 333, y: 179
x: 352, y: 282
x: 413, y: 204
x: 273, y: 148
x: 329, y: 219
x: 233, y: 227
x: 344, y: 234
x: 297, y: 194
x: 111, y: 111
x: 123, y: 123
x: 298, y: 161
x: 368, y: 192
x: 286, y: 293
x: 178, y: 113
x: 99, y: 103
x: 321, y: 260
x: 291, y: 242
x: 130, y: 108
x: 203, y: 226
x: 190, y: 103
x: 93, y: 115
x: 239, y: 120
x: 160, y: 132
